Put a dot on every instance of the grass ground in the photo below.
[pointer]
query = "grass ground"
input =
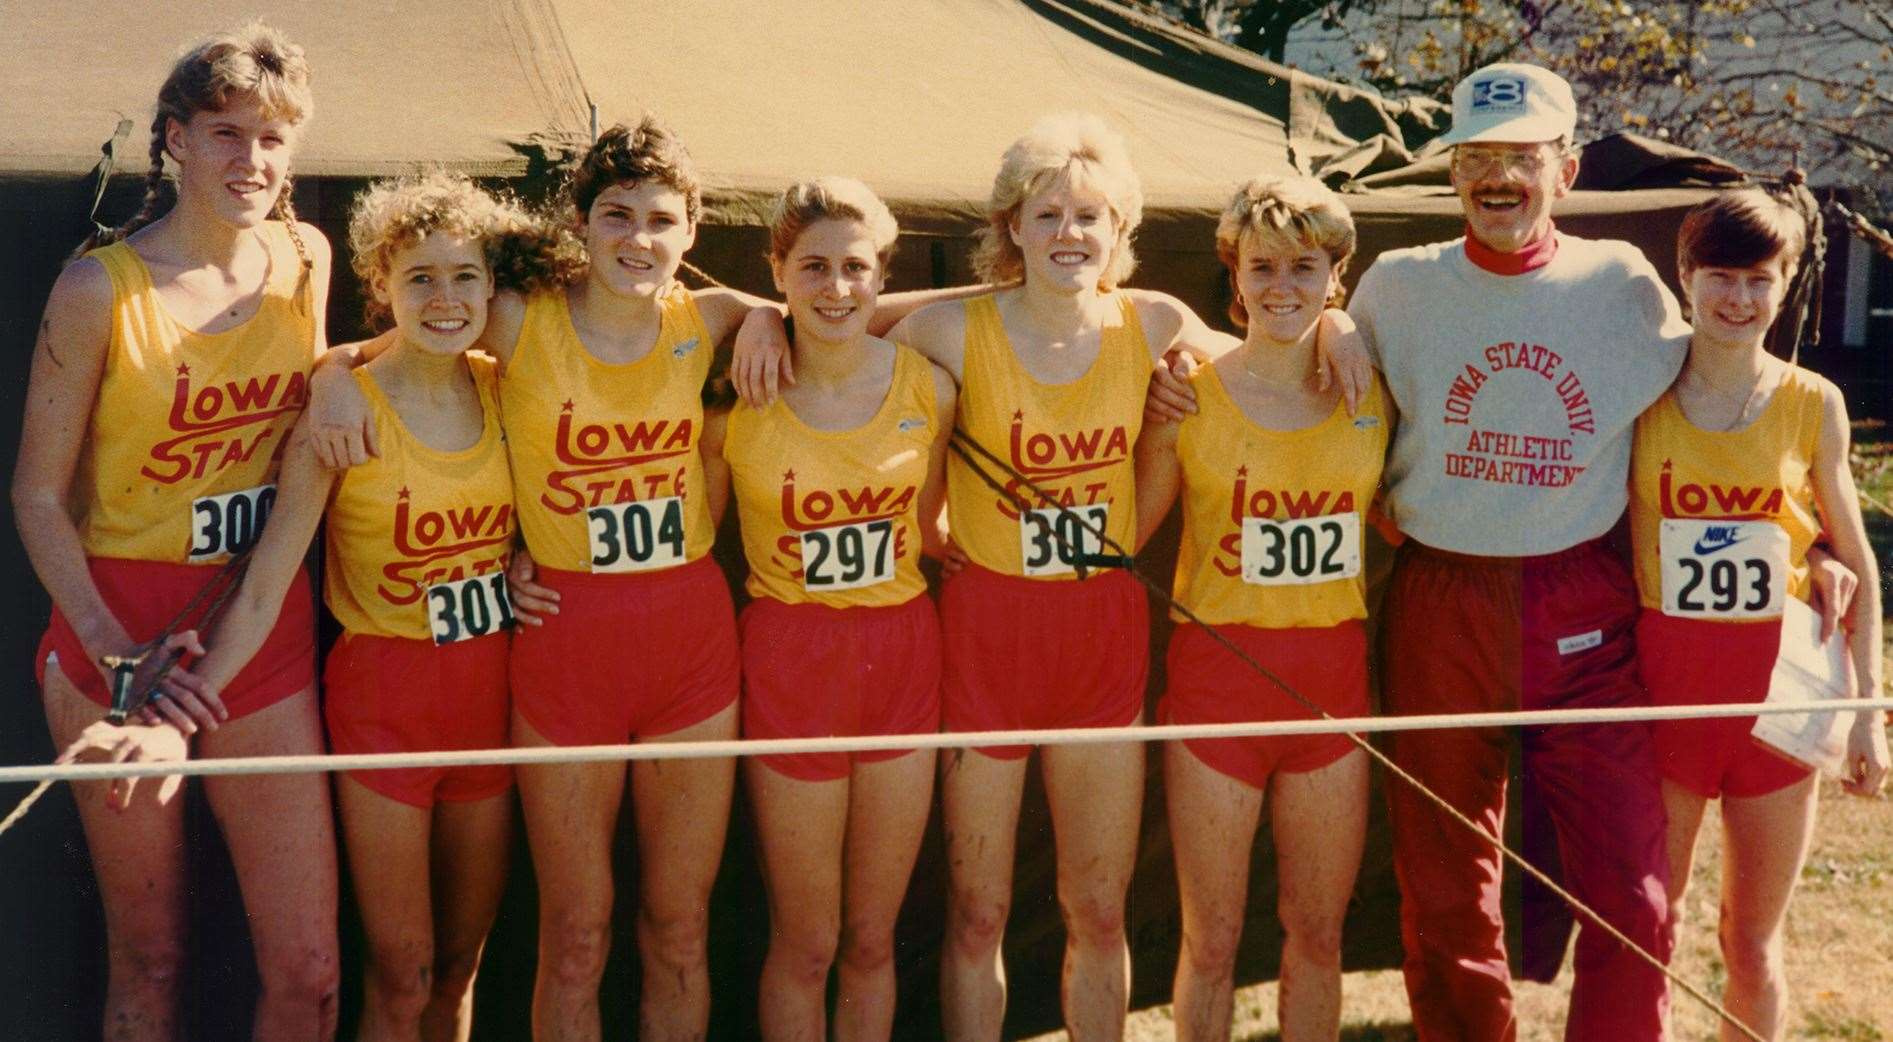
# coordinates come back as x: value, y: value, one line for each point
x: 1840, y: 929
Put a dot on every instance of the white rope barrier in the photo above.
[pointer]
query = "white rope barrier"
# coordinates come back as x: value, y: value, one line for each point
x: 660, y: 750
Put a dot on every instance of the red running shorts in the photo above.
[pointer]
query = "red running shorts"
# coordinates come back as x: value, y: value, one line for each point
x: 1208, y: 684
x: 146, y: 595
x: 810, y: 671
x: 628, y: 655
x: 396, y: 695
x: 1702, y: 662
x: 1029, y: 654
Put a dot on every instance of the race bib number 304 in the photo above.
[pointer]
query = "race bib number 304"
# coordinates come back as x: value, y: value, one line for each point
x: 228, y: 524
x: 1723, y: 569
x: 468, y: 608
x: 1052, y: 538
x: 848, y: 557
x: 1301, y: 551
x: 637, y: 536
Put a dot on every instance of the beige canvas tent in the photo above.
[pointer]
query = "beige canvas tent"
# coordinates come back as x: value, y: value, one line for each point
x: 917, y: 97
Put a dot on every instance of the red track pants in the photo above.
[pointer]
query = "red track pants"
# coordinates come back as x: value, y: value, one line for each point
x: 1475, y: 634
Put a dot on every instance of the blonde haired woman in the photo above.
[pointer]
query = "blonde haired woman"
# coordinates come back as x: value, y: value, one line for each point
x: 1276, y: 480
x: 171, y: 365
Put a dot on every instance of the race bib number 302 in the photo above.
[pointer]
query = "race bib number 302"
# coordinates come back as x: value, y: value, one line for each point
x: 1051, y: 539
x: 1301, y: 551
x: 1723, y: 569
x: 637, y: 536
x: 848, y: 557
x: 468, y: 608
x: 228, y: 524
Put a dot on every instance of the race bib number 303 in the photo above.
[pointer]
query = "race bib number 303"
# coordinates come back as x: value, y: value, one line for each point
x: 228, y: 524
x: 1301, y: 551
x: 637, y: 536
x: 1723, y: 569
x: 848, y: 557
x: 1052, y: 538
x: 468, y: 608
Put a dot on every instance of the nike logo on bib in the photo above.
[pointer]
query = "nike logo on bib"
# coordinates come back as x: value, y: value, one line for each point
x: 1717, y: 538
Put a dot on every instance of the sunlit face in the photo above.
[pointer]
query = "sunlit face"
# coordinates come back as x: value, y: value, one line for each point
x: 438, y: 290
x: 1507, y: 190
x: 831, y: 279
x: 234, y: 161
x: 1067, y: 234
x: 1736, y: 305
x: 637, y: 234
x: 1284, y: 285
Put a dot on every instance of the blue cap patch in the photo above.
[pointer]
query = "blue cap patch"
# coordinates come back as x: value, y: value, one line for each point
x: 1498, y: 94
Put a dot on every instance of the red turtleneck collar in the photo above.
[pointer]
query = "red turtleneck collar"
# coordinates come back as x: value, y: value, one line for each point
x: 1530, y: 257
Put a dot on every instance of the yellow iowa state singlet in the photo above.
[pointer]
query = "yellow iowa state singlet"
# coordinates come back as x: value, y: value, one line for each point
x: 832, y: 517
x: 1722, y: 520
x: 1073, y: 440
x: 418, y: 539
x: 606, y: 469
x: 1273, y: 520
x: 180, y: 457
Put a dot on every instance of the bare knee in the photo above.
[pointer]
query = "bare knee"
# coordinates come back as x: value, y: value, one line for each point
x: 151, y: 965
x: 403, y: 975
x: 301, y: 975
x: 573, y: 944
x: 1313, y: 936
x: 454, y: 972
x: 867, y: 947
x: 1752, y: 956
x: 1093, y: 918
x: 805, y: 949
x: 1210, y: 948
x: 976, y: 923
x: 675, y: 939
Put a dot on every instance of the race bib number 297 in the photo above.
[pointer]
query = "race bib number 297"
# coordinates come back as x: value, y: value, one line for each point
x: 228, y: 524
x: 848, y: 557
x: 637, y: 536
x: 1723, y: 569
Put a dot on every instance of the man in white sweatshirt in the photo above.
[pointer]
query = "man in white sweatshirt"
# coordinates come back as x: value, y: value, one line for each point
x: 1520, y: 358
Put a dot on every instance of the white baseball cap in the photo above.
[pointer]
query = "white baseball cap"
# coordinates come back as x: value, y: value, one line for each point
x: 1512, y: 102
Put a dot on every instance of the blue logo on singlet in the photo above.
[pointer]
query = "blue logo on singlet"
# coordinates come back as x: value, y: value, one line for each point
x: 1717, y: 538
x: 1498, y: 93
x: 684, y: 348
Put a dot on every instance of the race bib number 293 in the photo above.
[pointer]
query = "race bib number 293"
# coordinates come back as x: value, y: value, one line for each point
x: 228, y: 524
x: 637, y: 536
x: 1723, y: 569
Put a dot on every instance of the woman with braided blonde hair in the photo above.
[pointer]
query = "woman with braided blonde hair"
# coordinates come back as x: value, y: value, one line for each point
x: 172, y: 361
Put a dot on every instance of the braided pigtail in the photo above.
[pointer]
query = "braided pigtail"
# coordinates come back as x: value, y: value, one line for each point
x: 285, y: 211
x: 147, y: 209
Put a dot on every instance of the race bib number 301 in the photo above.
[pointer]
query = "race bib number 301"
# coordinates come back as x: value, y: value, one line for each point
x: 1301, y: 551
x: 1051, y: 539
x: 468, y: 608
x: 228, y: 524
x: 848, y: 557
x: 637, y: 536
x: 1723, y: 569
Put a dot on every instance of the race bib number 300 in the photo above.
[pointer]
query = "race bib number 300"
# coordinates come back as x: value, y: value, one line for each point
x: 1051, y: 539
x: 848, y: 557
x: 468, y: 608
x: 228, y: 524
x: 1723, y: 569
x: 1301, y: 551
x: 637, y: 536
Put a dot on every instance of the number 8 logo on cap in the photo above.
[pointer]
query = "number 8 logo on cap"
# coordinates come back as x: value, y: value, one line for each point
x: 1494, y: 93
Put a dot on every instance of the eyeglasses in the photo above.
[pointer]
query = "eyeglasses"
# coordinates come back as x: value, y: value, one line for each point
x: 1479, y: 162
